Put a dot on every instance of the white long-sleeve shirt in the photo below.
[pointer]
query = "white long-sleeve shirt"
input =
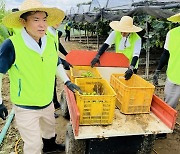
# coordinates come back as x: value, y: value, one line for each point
x: 111, y: 40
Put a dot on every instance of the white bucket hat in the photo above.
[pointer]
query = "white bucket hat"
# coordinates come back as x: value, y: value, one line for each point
x: 125, y: 25
x: 174, y: 18
x: 13, y: 20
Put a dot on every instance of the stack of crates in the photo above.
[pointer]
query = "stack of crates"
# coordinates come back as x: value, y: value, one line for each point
x: 98, y: 108
x: 134, y: 95
x: 84, y: 72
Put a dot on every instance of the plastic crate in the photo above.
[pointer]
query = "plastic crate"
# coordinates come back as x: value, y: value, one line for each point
x: 77, y: 72
x: 95, y: 109
x: 133, y: 95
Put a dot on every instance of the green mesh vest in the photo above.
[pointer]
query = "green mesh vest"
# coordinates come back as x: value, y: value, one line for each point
x: 32, y: 75
x: 174, y: 50
x: 128, y: 52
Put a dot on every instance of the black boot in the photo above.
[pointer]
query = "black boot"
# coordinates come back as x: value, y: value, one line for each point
x: 49, y: 145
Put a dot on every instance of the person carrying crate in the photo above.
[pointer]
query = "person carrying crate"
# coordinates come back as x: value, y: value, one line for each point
x: 31, y: 59
x: 126, y: 41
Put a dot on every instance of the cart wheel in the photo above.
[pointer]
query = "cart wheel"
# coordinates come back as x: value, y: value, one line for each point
x: 64, y: 106
x: 72, y: 145
x: 147, y: 144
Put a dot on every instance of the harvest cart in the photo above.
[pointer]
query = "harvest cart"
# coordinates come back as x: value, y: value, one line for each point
x: 127, y: 134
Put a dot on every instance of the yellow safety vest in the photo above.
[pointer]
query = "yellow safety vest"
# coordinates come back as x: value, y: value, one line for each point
x: 32, y: 75
x: 174, y: 51
x: 128, y: 52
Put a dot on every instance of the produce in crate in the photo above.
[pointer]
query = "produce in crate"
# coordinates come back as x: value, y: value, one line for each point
x: 97, y: 90
x: 87, y: 74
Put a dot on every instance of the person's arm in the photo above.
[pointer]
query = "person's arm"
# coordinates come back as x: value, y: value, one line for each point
x: 1, y: 76
x: 62, y: 50
x: 7, y: 57
x: 3, y: 109
x: 163, y: 61
x: 107, y: 43
x: 60, y: 72
x: 136, y: 53
x: 66, y: 65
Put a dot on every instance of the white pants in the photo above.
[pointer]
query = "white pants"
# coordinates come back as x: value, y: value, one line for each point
x: 172, y: 93
x: 33, y: 125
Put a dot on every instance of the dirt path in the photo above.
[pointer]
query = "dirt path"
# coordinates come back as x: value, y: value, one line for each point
x: 166, y: 146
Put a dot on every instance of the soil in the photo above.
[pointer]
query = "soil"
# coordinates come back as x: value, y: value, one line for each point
x: 13, y: 144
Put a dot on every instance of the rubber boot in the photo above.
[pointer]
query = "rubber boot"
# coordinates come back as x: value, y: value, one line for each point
x: 49, y: 145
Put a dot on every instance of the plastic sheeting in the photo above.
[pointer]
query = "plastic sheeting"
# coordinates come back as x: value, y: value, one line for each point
x: 111, y: 16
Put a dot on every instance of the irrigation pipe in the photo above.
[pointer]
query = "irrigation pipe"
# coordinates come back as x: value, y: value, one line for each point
x: 6, y: 126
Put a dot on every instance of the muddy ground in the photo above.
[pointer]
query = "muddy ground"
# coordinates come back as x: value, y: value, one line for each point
x: 13, y: 144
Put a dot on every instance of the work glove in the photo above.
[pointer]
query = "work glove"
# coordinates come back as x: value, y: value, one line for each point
x: 95, y: 61
x: 129, y: 73
x: 66, y: 65
x: 73, y: 87
x: 3, y: 111
x: 156, y: 77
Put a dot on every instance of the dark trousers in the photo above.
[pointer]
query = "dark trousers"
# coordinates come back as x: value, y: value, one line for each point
x: 55, y: 99
x: 67, y: 35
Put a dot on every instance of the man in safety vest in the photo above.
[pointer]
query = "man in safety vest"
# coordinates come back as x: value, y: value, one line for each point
x: 126, y: 41
x: 171, y: 56
x: 31, y: 59
x: 67, y: 28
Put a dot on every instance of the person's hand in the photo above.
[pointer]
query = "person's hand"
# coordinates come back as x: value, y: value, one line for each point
x: 3, y: 111
x: 73, y: 87
x: 66, y: 65
x: 128, y: 73
x: 156, y: 77
x: 95, y: 61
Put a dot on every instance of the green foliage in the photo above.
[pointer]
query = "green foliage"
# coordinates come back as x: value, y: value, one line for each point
x: 3, y: 33
x: 3, y: 30
x: 103, y: 28
x: 157, y: 29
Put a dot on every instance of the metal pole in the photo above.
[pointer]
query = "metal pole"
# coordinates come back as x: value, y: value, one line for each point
x: 87, y: 39
x: 97, y: 37
x: 147, y: 51
x: 79, y: 34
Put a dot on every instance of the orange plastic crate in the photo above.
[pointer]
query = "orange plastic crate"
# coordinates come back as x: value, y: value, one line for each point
x: 134, y: 95
x: 77, y: 72
x: 95, y: 109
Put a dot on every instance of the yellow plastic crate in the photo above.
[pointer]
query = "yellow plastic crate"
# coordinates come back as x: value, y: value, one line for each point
x: 134, y: 95
x: 95, y: 109
x: 78, y: 71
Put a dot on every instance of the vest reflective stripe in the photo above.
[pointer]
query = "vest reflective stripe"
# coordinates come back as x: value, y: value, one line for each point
x: 174, y: 50
x: 128, y: 52
x: 32, y: 75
